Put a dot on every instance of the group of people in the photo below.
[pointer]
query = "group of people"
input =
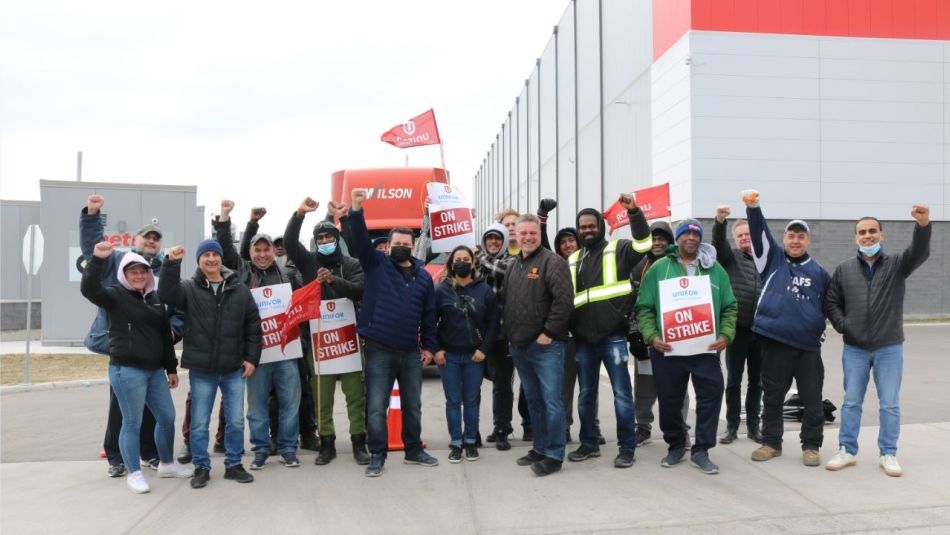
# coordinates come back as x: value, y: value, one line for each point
x: 556, y: 314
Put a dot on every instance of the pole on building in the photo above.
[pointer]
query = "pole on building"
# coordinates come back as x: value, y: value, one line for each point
x: 79, y: 166
x: 29, y: 307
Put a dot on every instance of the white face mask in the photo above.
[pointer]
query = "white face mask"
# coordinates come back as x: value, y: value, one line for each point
x: 870, y: 251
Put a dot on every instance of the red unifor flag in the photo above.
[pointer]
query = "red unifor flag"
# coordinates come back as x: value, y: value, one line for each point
x: 653, y: 201
x: 418, y: 131
x: 304, y: 306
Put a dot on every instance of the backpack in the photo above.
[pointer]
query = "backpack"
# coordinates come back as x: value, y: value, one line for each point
x: 793, y: 409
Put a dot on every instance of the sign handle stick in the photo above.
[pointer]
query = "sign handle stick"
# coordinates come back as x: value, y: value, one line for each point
x: 442, y: 153
x: 316, y: 356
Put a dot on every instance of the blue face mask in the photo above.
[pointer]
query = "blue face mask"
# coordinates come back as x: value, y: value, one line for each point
x: 872, y: 250
x: 326, y: 249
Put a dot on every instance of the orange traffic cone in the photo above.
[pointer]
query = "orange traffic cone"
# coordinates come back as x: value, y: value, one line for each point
x: 394, y: 420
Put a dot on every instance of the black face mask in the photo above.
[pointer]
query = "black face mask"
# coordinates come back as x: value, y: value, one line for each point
x: 400, y: 253
x: 462, y: 269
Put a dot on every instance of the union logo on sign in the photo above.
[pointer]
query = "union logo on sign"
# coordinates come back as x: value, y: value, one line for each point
x: 409, y: 128
x: 448, y: 188
x: 684, y: 282
x: 331, y: 306
x: 268, y: 292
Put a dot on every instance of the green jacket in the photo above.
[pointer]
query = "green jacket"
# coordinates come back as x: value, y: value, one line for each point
x: 668, y: 267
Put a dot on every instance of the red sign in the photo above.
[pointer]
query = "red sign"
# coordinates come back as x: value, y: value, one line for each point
x: 336, y: 343
x: 450, y: 223
x: 271, y: 330
x: 304, y: 306
x: 685, y: 323
x: 418, y: 131
x: 653, y: 201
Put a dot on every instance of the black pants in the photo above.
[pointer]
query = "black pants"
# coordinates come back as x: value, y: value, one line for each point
x: 780, y: 364
x: 501, y: 370
x: 671, y: 376
x: 742, y: 352
x: 114, y: 425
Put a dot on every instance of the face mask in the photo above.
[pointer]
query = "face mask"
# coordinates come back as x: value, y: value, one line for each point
x: 872, y: 250
x: 400, y: 253
x: 462, y: 269
x: 326, y: 249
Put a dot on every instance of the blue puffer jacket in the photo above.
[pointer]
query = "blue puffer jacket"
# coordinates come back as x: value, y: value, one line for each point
x: 468, y: 316
x: 393, y: 312
x: 790, y: 308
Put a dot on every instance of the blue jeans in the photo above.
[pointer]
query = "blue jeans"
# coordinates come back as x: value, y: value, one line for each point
x: 612, y: 352
x: 462, y: 382
x: 135, y: 389
x: 284, y: 377
x: 383, y: 367
x: 541, y: 369
x: 887, y: 364
x: 204, y: 386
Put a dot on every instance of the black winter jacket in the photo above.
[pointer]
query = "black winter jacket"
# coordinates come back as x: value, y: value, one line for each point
x: 221, y: 331
x: 537, y: 297
x: 247, y: 272
x: 347, y: 271
x: 742, y: 275
x: 869, y: 310
x: 139, y: 331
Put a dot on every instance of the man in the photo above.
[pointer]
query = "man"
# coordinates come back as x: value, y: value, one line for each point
x: 397, y: 319
x: 603, y: 304
x: 509, y: 218
x: 222, y: 349
x: 744, y: 350
x: 280, y: 252
x: 689, y: 259
x: 148, y: 244
x: 790, y: 321
x: 537, y: 309
x: 341, y: 277
x: 283, y: 376
x: 865, y: 304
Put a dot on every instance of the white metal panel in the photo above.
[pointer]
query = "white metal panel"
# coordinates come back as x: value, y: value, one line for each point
x: 882, y: 91
x: 860, y: 110
x: 756, y: 128
x: 882, y: 131
x: 774, y: 107
x: 882, y: 173
x: 908, y: 70
x: 749, y: 65
x: 751, y: 44
x: 755, y: 171
x: 879, y: 49
x: 755, y: 86
x: 850, y: 151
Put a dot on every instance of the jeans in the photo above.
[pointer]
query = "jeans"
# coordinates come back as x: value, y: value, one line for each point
x: 744, y: 350
x: 136, y: 389
x: 110, y: 443
x: 541, y: 369
x: 284, y: 376
x: 462, y: 382
x: 780, y: 364
x: 612, y: 352
x: 384, y: 365
x: 204, y: 387
x: 887, y: 364
x: 671, y: 376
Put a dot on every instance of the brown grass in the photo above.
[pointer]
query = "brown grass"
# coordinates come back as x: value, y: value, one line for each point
x: 50, y: 368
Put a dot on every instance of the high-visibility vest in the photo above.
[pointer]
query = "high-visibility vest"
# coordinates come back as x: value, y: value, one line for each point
x: 609, y: 288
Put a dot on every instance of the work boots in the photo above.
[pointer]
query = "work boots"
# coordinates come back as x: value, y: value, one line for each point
x: 360, y: 453
x: 327, y: 450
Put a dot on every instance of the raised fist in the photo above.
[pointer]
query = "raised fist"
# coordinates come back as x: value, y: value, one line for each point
x: 94, y: 203
x: 176, y: 253
x: 627, y: 201
x: 257, y: 213
x: 307, y: 205
x: 545, y: 207
x: 722, y: 212
x: 103, y: 250
x: 226, y: 207
x: 358, y: 196
x: 921, y: 213
x: 750, y: 197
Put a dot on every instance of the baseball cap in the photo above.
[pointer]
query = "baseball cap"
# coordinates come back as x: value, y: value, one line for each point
x: 151, y: 227
x: 261, y: 236
x: 797, y: 224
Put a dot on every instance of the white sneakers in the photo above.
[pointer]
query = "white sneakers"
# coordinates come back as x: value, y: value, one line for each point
x: 891, y: 467
x: 175, y: 469
x: 136, y: 482
x: 841, y: 460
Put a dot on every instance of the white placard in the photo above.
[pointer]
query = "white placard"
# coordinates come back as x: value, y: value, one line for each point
x: 450, y: 218
x: 335, y: 341
x: 686, y: 318
x: 273, y: 302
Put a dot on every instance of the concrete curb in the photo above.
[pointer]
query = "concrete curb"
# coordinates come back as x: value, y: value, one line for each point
x: 62, y: 385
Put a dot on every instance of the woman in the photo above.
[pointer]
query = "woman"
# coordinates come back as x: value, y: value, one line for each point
x: 141, y: 354
x: 468, y: 325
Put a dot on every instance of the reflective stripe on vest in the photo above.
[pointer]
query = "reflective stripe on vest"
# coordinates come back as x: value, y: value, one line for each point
x: 610, y: 287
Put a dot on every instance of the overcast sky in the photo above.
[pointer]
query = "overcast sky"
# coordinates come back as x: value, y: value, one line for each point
x: 258, y: 102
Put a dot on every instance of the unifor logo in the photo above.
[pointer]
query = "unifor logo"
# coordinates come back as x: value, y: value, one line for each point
x: 331, y: 306
x: 268, y: 292
x: 684, y: 282
x: 448, y: 188
x: 409, y: 128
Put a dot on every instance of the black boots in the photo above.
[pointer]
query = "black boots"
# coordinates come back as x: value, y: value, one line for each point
x: 360, y: 453
x: 327, y: 450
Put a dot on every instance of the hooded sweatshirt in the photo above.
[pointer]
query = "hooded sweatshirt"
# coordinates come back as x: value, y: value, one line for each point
x: 566, y: 231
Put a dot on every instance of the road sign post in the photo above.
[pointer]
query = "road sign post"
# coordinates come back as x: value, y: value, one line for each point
x: 32, y: 260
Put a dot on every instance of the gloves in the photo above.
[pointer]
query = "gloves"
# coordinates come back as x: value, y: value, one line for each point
x: 637, y: 346
x: 546, y: 206
x: 751, y: 198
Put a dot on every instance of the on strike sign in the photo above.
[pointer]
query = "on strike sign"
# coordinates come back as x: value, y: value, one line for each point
x: 334, y: 340
x: 272, y: 302
x: 450, y: 218
x: 687, y: 321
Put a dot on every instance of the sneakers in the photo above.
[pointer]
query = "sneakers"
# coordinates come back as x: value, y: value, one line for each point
x: 582, y: 453
x: 289, y: 460
x: 546, y: 466
x: 700, y: 460
x: 116, y: 470
x: 260, y: 459
x: 175, y: 470
x: 841, y: 460
x: 421, y: 458
x: 529, y: 459
x: 184, y: 454
x: 501, y: 441
x: 624, y: 459
x: 811, y: 458
x: 601, y: 440
x: 729, y: 436
x: 891, y: 467
x: 471, y: 452
x: 455, y: 454
x: 136, y: 482
x: 237, y: 473
x: 673, y: 458
x: 375, y: 466
x: 643, y: 437
x: 765, y: 453
x: 201, y: 477
x: 151, y: 463
x: 491, y: 436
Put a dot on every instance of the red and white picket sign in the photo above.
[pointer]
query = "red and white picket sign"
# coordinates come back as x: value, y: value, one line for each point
x: 335, y: 336
x: 687, y: 316
x: 450, y: 218
x: 272, y: 303
x: 653, y: 201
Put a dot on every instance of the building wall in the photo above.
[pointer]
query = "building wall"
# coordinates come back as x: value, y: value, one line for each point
x: 15, y: 218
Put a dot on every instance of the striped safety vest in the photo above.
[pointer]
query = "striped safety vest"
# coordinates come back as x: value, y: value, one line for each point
x: 609, y: 288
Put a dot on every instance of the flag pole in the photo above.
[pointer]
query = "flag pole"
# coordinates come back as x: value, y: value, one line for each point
x: 442, y: 152
x: 316, y: 354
